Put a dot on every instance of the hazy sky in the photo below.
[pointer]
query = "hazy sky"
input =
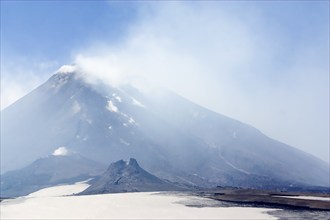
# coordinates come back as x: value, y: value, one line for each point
x: 265, y: 63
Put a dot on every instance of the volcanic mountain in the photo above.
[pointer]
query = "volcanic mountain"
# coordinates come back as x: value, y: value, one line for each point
x: 128, y: 176
x: 170, y: 136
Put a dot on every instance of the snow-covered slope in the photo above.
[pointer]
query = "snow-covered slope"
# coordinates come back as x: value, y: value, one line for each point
x: 170, y: 136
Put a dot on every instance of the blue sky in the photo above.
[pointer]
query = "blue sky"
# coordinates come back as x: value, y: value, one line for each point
x: 265, y: 63
x: 29, y: 28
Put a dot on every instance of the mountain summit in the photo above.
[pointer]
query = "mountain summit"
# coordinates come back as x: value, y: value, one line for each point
x: 170, y: 136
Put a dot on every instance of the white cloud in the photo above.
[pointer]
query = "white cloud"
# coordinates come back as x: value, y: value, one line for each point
x: 13, y: 89
x: 232, y: 60
x: 66, y: 69
x: 105, y: 68
x: 137, y: 103
x: 235, y: 59
x: 21, y: 76
x: 61, y: 151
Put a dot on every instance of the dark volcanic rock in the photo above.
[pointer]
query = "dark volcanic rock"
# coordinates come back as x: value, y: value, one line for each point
x: 128, y: 176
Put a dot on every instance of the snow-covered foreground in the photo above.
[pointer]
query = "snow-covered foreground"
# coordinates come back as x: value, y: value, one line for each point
x: 60, y: 190
x: 307, y: 197
x: 50, y: 203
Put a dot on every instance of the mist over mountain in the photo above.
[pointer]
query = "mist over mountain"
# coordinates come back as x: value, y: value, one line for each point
x: 170, y: 136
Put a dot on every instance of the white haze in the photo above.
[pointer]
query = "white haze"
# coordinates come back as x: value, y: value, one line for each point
x: 231, y: 60
x: 66, y: 69
x: 228, y: 63
x: 21, y: 76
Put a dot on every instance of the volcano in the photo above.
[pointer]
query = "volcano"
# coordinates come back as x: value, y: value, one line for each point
x: 171, y: 137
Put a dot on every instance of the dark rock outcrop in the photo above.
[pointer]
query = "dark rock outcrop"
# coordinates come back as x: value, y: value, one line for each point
x: 128, y: 176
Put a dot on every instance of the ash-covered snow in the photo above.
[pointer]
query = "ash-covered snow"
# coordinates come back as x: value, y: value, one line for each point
x: 131, y: 120
x: 111, y: 107
x: 137, y: 103
x: 124, y: 142
x: 76, y: 107
x: 117, y: 97
x: 233, y: 166
x: 307, y: 197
